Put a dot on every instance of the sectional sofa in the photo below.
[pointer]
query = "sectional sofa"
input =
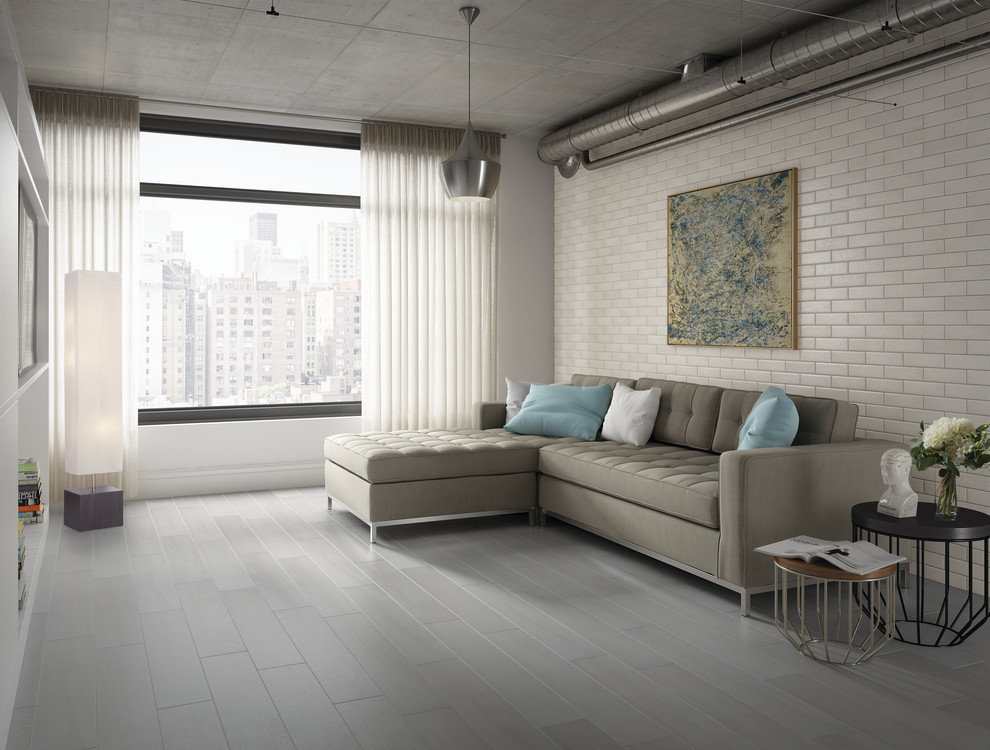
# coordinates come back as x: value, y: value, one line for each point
x: 687, y: 497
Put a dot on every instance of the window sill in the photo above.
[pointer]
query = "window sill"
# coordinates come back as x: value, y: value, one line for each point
x: 187, y: 415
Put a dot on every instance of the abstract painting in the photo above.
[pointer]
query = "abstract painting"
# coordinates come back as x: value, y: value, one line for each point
x: 730, y: 264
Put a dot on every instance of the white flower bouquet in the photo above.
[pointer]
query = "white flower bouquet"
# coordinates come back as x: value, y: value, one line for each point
x: 950, y: 443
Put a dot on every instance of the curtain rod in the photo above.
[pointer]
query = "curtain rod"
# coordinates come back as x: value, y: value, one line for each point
x: 248, y: 111
x: 441, y: 128
x: 83, y: 92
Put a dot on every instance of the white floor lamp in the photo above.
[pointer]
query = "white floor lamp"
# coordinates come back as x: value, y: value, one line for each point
x: 94, y: 414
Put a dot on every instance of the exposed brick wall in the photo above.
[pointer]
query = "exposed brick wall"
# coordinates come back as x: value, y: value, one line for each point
x: 893, y: 257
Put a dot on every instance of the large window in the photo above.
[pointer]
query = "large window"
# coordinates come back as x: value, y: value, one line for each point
x: 249, y: 299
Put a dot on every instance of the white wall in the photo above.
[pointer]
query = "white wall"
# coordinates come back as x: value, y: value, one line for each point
x: 197, y: 459
x: 227, y: 457
x: 893, y: 257
x: 525, y: 293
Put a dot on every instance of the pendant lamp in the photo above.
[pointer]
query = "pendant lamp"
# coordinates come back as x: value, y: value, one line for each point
x: 469, y: 175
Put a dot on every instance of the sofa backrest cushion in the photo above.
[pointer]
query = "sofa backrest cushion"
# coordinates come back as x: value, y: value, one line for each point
x: 771, y: 423
x: 562, y: 411
x: 821, y: 420
x: 590, y: 380
x: 688, y: 412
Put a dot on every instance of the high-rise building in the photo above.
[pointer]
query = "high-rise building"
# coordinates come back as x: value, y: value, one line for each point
x: 311, y: 366
x: 338, y: 351
x: 182, y: 343
x: 176, y: 249
x: 254, y: 340
x: 337, y: 256
x: 148, y: 324
x: 264, y: 226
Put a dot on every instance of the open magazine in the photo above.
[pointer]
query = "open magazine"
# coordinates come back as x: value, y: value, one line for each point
x: 855, y: 557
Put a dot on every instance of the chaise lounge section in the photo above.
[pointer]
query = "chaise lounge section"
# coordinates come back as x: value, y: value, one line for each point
x: 688, y: 497
x: 431, y: 475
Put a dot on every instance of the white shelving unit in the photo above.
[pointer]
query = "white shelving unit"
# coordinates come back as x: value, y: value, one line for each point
x: 24, y: 408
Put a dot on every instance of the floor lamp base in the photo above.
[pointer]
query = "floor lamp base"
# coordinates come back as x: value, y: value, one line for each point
x: 88, y: 508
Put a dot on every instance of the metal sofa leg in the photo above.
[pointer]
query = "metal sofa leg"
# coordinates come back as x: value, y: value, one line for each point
x: 373, y: 535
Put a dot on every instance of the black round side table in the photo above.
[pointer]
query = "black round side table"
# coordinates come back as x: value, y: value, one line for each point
x: 933, y: 613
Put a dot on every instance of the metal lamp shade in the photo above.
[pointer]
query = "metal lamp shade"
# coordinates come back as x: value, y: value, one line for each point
x: 469, y: 175
x: 94, y: 419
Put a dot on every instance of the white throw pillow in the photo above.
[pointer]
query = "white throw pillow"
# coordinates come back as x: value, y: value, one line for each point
x: 632, y: 415
x: 517, y: 392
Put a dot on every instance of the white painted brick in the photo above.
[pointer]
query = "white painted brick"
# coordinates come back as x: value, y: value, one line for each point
x: 920, y: 388
x: 945, y: 375
x: 906, y: 401
x: 848, y: 383
x: 924, y: 303
x: 944, y: 232
x: 946, y: 347
x: 947, y: 405
x: 869, y: 240
x: 855, y: 254
x: 946, y: 174
x: 877, y: 359
x: 979, y: 108
x: 884, y: 305
x: 976, y: 135
x: 946, y: 318
x: 849, y: 357
x: 867, y: 186
x: 894, y: 322
x: 893, y: 252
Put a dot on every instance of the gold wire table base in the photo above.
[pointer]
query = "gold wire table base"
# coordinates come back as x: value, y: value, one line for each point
x: 819, y: 609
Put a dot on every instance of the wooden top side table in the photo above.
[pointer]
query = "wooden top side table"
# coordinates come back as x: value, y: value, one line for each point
x: 826, y: 617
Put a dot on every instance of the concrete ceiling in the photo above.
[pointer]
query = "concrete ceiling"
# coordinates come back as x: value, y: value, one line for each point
x: 536, y: 64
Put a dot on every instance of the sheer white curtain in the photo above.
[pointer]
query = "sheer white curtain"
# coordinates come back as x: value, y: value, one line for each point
x: 428, y: 283
x: 92, y: 150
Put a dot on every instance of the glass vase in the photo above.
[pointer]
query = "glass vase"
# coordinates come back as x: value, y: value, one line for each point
x: 946, y: 499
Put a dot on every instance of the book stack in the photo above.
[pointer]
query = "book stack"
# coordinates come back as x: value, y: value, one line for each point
x: 30, y: 506
x: 21, y: 583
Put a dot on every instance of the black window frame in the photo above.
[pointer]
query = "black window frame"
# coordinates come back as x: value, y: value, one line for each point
x: 153, y: 123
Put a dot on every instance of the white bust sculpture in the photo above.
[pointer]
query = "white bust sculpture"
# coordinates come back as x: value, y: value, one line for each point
x: 899, y: 500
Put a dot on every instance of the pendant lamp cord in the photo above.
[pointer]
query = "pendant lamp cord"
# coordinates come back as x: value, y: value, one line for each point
x: 741, y: 79
x: 470, y: 21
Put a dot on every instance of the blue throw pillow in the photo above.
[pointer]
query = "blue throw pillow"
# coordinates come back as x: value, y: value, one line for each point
x: 772, y: 422
x: 562, y: 411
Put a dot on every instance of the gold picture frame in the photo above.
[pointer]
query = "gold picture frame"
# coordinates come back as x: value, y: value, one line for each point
x: 731, y: 257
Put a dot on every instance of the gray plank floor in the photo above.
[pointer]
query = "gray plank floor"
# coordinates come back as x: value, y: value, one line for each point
x: 264, y: 620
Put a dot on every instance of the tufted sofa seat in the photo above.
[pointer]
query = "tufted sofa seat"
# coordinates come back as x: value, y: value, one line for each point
x: 688, y: 497
x: 681, y: 482
x: 405, y: 456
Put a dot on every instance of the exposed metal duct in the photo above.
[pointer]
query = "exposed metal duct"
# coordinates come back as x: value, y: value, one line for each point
x: 864, y: 28
x: 901, y: 67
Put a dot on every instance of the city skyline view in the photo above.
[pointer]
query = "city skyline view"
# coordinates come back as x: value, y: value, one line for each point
x: 247, y: 304
x: 210, y: 228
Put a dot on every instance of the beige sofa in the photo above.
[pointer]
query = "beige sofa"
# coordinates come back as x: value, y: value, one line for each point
x: 687, y: 498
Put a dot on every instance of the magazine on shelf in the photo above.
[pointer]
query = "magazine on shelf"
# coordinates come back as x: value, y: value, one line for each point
x: 855, y: 557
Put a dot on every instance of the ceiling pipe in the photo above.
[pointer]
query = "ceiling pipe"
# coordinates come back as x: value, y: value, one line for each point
x: 901, y: 67
x: 866, y: 27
